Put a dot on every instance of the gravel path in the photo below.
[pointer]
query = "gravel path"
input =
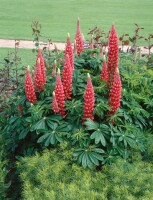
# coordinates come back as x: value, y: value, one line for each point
x: 27, y: 44
x: 30, y: 45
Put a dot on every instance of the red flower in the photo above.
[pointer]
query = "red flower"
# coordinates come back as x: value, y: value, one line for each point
x: 29, y: 87
x: 112, y: 54
x: 104, y: 72
x: 55, y: 107
x: 59, y: 93
x: 54, y: 69
x: 115, y: 93
x: 88, y: 100
x: 38, y: 76
x: 78, y: 38
x: 42, y: 64
x: 67, y: 78
x: 69, y: 51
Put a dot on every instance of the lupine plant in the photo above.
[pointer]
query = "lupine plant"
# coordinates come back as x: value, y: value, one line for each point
x: 69, y: 51
x: 97, y: 115
x: 67, y: 77
x: 104, y: 72
x: 29, y: 87
x: 113, y: 49
x: 39, y: 82
x: 115, y: 93
x: 59, y: 93
x: 88, y: 100
x: 79, y: 38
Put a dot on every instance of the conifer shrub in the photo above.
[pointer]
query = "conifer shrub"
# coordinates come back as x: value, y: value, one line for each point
x: 54, y: 175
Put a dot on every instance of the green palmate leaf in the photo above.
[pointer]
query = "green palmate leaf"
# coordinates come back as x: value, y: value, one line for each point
x: 54, y: 118
x: 54, y: 135
x: 113, y: 138
x: 85, y: 160
x: 64, y: 128
x: 93, y: 160
x: 24, y: 133
x: 50, y: 123
x: 91, y: 125
x: 127, y: 139
x: 77, y: 152
x: 13, y: 119
x: 123, y: 152
x: 50, y: 138
x: 46, y: 123
x: 40, y: 125
x: 89, y: 156
x: 99, y: 110
x: 110, y: 156
x: 98, y: 136
x: 42, y: 138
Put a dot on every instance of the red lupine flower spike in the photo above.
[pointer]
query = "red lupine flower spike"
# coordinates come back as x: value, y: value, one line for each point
x: 88, y: 100
x: 115, y: 93
x: 55, y: 107
x: 42, y: 64
x: 59, y: 93
x: 54, y: 69
x: 104, y: 72
x: 78, y: 38
x: 69, y: 51
x: 67, y: 78
x: 112, y: 54
x: 38, y: 76
x: 29, y: 87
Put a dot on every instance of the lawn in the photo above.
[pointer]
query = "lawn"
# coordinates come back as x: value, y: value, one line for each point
x: 26, y: 55
x: 59, y: 16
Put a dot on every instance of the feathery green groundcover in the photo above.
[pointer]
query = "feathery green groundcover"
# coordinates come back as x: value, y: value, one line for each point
x: 53, y: 176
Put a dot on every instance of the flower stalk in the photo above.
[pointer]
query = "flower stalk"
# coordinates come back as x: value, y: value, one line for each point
x: 59, y: 94
x: 88, y: 100
x: 29, y: 87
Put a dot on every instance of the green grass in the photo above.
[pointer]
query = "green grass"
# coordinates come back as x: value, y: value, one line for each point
x: 26, y: 55
x: 59, y: 16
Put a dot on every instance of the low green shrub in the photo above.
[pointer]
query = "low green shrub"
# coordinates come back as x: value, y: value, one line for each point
x: 53, y: 175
